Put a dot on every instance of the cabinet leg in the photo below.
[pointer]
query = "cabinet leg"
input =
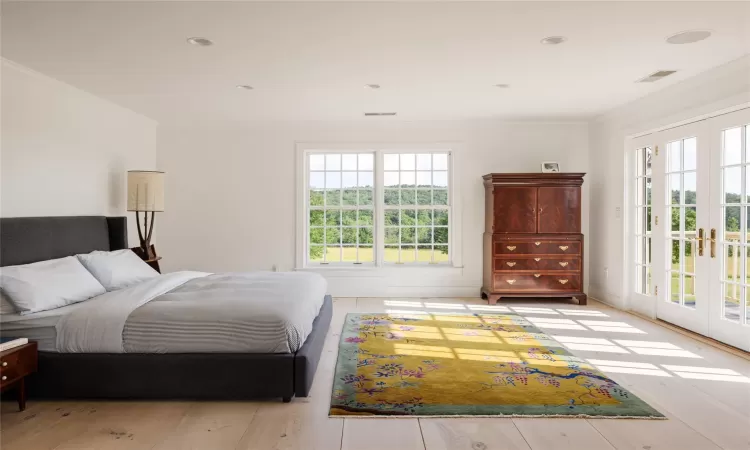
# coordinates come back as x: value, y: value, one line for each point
x: 582, y: 299
x: 492, y: 299
x: 22, y: 395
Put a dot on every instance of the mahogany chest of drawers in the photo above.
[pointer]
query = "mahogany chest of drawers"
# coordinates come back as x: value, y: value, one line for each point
x: 533, y: 246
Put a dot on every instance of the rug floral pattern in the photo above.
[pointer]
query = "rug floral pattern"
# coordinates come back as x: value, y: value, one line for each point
x: 467, y: 365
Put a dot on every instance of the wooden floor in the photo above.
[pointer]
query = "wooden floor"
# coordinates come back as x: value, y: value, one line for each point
x: 703, y: 390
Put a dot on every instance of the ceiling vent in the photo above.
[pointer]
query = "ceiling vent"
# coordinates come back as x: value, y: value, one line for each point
x: 378, y: 114
x: 656, y: 76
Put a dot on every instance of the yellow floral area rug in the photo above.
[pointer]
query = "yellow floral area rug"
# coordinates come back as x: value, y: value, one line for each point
x: 451, y: 364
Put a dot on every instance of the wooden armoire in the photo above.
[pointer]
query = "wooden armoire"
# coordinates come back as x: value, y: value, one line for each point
x: 533, y: 246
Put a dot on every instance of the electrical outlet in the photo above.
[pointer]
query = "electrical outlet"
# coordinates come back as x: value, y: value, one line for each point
x: 618, y: 212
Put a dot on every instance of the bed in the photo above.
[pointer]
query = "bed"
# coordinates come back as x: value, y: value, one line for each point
x: 146, y: 370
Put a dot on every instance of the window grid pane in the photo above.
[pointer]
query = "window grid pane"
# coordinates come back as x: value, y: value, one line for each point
x: 642, y: 220
x: 418, y: 208
x: 340, y: 211
x: 734, y: 232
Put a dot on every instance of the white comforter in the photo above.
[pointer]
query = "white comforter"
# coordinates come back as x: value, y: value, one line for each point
x: 196, y: 312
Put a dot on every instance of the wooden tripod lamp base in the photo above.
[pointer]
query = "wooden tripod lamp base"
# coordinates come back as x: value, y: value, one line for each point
x: 145, y: 195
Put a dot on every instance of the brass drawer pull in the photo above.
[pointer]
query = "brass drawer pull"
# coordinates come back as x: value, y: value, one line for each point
x: 510, y: 281
x: 563, y: 247
x: 537, y: 275
x: 563, y: 264
x: 511, y: 247
x: 5, y: 364
x: 562, y: 281
x: 537, y: 244
x: 510, y: 263
x: 537, y: 259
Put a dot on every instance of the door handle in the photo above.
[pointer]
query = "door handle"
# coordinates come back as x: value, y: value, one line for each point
x: 713, y: 242
x: 700, y: 241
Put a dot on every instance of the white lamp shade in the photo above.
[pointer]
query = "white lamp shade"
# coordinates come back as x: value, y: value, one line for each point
x: 145, y: 190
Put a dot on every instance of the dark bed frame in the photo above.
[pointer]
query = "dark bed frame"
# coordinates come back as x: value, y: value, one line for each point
x: 143, y: 375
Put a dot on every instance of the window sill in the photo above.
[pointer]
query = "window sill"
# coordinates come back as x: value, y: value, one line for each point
x: 385, y: 271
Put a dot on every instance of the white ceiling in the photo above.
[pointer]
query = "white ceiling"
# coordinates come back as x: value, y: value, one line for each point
x: 309, y: 61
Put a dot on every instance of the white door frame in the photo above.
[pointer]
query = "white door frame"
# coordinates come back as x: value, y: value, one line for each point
x: 708, y: 317
x: 692, y: 318
x: 636, y: 300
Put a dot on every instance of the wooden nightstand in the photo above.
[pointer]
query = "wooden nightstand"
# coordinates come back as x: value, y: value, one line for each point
x: 15, y: 365
x: 154, y: 263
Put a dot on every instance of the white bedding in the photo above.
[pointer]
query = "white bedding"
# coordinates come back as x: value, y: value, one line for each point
x: 184, y: 312
x: 97, y: 326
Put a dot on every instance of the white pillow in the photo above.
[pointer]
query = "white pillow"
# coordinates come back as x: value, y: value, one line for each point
x: 118, y: 269
x: 48, y: 284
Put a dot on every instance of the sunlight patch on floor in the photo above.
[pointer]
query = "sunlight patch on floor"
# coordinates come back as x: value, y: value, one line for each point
x: 663, y: 352
x: 596, y: 348
x: 530, y: 310
x: 647, y: 344
x: 714, y: 377
x: 633, y: 368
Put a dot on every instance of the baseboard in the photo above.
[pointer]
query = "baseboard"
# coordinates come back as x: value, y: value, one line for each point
x: 376, y: 288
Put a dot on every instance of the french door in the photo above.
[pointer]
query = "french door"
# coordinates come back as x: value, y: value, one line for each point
x: 691, y: 226
x: 729, y: 310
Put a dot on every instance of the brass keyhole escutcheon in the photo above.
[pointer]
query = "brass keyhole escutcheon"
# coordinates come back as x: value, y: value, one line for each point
x: 563, y: 247
x: 511, y: 264
x: 537, y: 275
x: 511, y: 281
x: 511, y: 247
x: 537, y: 244
x: 563, y: 264
x: 562, y: 281
x: 537, y: 259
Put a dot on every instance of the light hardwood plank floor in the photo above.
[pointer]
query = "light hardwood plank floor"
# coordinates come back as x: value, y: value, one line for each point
x: 703, y: 390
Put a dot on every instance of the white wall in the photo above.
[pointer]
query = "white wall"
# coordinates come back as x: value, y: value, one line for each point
x: 65, y: 151
x: 712, y: 91
x: 225, y: 183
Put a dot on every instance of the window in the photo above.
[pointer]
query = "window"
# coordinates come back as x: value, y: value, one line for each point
x: 341, y: 224
x: 735, y: 205
x: 377, y: 207
x: 416, y: 210
x: 643, y: 220
x: 681, y: 182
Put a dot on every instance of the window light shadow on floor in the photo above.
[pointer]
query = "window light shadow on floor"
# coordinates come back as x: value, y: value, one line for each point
x: 579, y: 344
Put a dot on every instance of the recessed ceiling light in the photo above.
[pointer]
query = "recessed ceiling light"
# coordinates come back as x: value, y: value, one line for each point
x: 372, y: 86
x: 553, y: 40
x: 246, y: 87
x: 688, y: 37
x: 502, y: 86
x: 200, y: 41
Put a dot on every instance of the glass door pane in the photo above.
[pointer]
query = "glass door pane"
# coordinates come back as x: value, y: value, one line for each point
x: 683, y: 209
x: 729, y: 317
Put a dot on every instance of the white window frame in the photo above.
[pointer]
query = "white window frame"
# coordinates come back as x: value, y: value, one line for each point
x: 643, y: 282
x: 304, y: 149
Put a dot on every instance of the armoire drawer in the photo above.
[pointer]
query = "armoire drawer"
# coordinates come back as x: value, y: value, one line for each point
x: 561, y: 247
x: 542, y: 282
x: 541, y: 263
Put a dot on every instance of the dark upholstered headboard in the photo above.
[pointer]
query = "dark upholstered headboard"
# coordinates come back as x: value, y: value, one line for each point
x: 25, y: 240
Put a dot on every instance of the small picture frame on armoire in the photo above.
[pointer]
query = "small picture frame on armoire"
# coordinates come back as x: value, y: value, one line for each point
x: 550, y: 167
